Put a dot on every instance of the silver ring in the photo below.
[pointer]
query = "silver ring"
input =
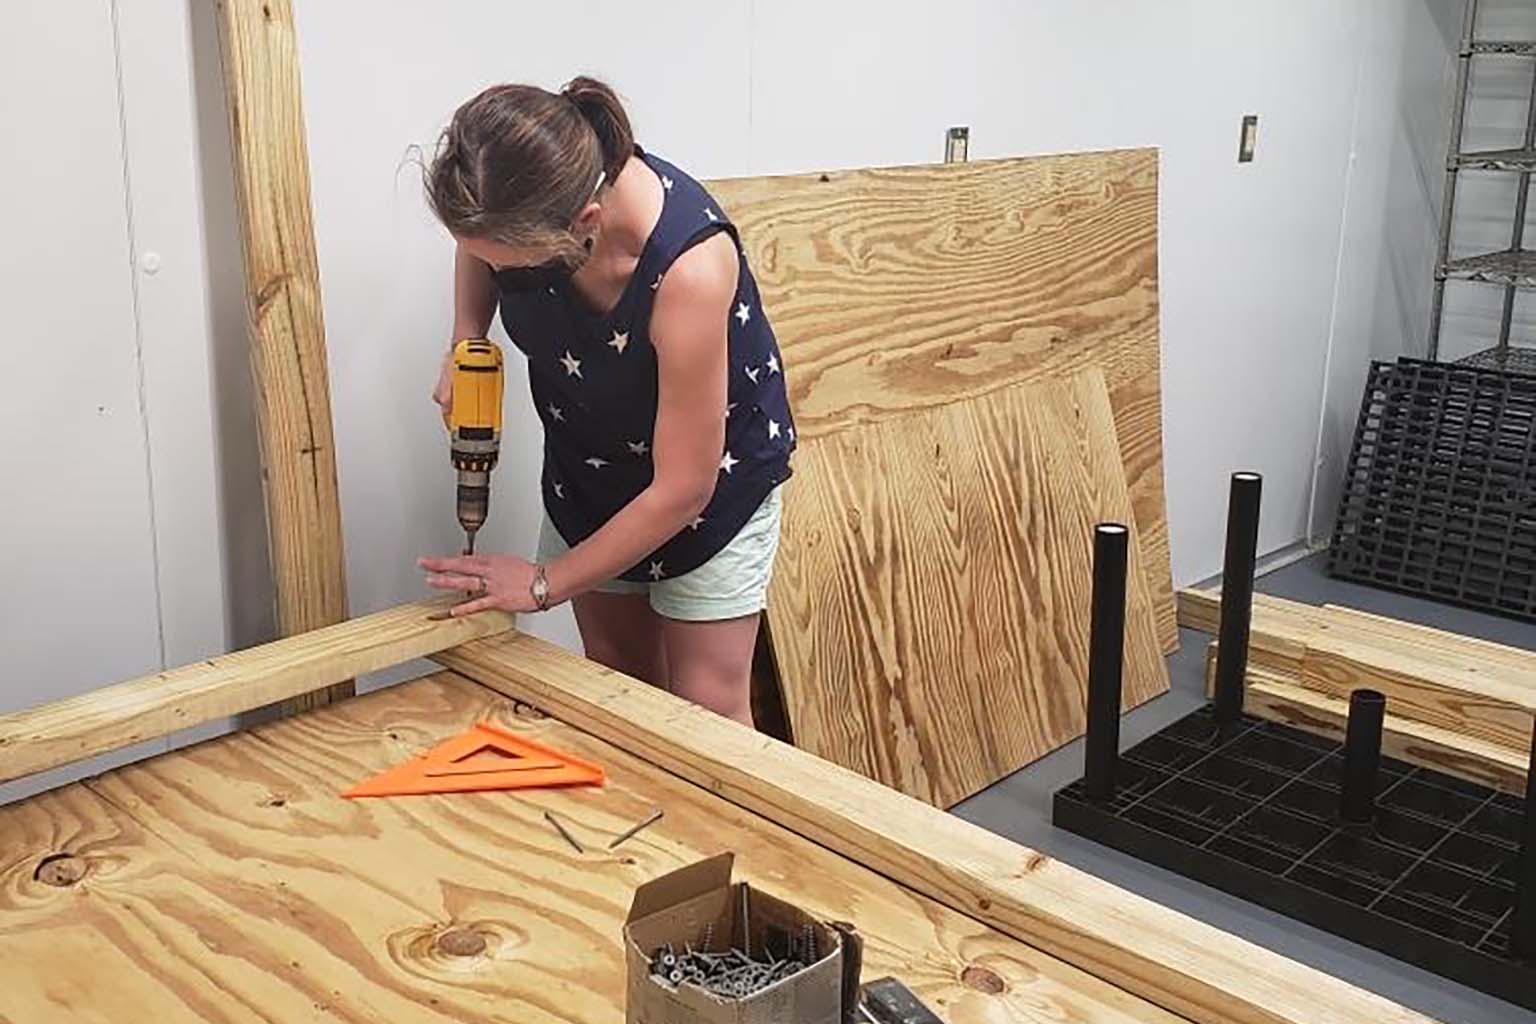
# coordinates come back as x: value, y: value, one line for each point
x: 484, y: 585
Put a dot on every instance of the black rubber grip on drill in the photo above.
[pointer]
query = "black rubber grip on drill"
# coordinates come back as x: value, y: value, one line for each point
x: 891, y: 1002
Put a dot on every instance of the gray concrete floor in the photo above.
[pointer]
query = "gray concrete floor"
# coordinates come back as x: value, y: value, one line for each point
x: 1019, y: 807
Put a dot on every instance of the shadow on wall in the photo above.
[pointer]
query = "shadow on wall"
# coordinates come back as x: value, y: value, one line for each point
x: 248, y: 587
x: 1391, y: 216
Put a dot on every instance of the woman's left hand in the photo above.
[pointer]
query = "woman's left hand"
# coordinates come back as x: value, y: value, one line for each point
x: 491, y: 581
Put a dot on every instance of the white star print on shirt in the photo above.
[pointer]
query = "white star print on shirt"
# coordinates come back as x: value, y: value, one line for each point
x: 572, y: 365
x: 752, y: 373
x: 638, y: 447
x: 743, y: 313
x: 791, y: 433
x: 728, y: 462
x: 773, y: 365
x: 596, y: 463
x: 698, y: 521
x: 556, y: 413
x: 656, y: 571
x: 710, y: 214
x: 666, y: 183
x: 559, y: 489
x: 773, y: 430
x: 619, y: 342
x: 729, y: 408
x: 656, y: 283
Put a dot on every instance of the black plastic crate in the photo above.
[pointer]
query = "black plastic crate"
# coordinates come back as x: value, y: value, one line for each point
x: 1514, y: 359
x: 1439, y: 498
x: 1254, y: 811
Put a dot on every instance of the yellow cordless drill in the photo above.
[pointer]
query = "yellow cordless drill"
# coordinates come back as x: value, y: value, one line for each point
x: 474, y: 428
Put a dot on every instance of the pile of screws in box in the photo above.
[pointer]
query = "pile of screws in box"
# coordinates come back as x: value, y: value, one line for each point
x: 733, y: 973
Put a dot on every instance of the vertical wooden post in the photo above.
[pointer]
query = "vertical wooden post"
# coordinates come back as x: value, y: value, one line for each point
x: 287, y: 332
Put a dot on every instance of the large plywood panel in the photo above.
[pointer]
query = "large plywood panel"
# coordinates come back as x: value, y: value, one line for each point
x: 931, y: 606
x: 907, y: 288
x: 229, y: 883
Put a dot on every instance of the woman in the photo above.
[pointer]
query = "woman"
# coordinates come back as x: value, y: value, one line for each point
x: 653, y: 368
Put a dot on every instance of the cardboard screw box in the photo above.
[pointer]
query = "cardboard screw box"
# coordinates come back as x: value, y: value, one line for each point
x: 682, y: 906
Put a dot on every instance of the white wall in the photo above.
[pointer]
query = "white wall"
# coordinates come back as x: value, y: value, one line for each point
x: 1254, y: 258
x: 1278, y: 278
x: 1389, y: 219
x: 108, y: 525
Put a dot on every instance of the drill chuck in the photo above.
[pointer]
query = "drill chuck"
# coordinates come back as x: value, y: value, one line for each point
x: 474, y: 499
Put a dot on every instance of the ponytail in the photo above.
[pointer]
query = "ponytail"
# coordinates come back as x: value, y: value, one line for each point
x: 601, y: 108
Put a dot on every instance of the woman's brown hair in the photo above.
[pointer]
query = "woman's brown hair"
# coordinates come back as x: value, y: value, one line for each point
x: 517, y: 163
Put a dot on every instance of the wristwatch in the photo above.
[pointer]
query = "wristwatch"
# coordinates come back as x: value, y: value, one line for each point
x: 539, y: 588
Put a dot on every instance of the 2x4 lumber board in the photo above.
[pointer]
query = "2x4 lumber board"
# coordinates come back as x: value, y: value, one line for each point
x: 1479, y: 689
x: 287, y: 331
x: 229, y: 882
x: 103, y: 720
x: 1171, y: 960
x: 901, y: 288
x: 1278, y: 698
x: 933, y: 563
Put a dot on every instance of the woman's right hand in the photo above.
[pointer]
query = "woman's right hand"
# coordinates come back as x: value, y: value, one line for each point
x: 443, y: 393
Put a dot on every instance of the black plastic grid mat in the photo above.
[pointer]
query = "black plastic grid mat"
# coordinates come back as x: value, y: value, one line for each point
x: 1439, y: 498
x: 1255, y: 813
x: 1514, y: 359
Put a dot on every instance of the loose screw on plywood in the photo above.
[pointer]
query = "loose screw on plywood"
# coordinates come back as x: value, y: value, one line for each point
x: 647, y: 823
x: 549, y: 817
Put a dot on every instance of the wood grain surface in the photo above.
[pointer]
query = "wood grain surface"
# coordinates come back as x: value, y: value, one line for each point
x: 229, y: 883
x: 1279, y: 698
x: 287, y: 330
x: 1482, y: 690
x: 931, y: 601
x: 121, y: 715
x: 903, y: 288
x: 1177, y: 962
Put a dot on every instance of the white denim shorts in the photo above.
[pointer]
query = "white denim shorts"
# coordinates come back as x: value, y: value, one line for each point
x: 731, y: 585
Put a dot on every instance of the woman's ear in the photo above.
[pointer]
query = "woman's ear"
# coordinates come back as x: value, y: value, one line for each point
x: 588, y: 219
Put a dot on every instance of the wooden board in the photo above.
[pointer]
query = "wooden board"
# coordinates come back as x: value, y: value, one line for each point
x: 117, y: 716
x: 282, y: 282
x: 1159, y: 954
x: 931, y: 602
x: 905, y: 288
x: 1482, y: 690
x: 1279, y: 698
x: 228, y: 883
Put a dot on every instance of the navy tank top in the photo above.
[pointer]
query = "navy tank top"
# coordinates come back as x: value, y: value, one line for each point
x: 594, y: 385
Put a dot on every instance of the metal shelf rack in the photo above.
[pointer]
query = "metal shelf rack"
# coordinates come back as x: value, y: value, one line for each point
x: 1513, y: 268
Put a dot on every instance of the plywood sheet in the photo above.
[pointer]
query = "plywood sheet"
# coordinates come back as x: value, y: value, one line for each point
x: 228, y: 883
x: 904, y: 288
x: 931, y: 604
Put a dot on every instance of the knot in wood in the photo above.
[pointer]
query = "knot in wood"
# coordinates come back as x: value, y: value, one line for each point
x: 461, y: 942
x: 983, y: 979
x: 60, y: 870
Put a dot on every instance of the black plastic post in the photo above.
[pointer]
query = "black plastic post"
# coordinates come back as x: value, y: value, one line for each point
x: 1362, y: 757
x: 1237, y: 595
x: 1106, y: 657
x: 1523, y: 936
